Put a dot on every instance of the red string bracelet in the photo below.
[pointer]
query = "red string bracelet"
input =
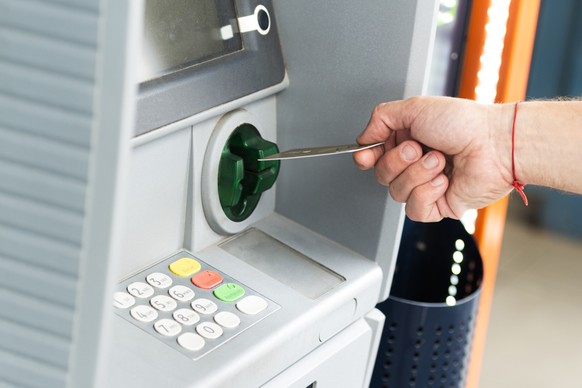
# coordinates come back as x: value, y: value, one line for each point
x: 516, y: 183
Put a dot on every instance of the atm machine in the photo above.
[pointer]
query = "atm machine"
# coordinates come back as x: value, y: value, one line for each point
x: 222, y: 270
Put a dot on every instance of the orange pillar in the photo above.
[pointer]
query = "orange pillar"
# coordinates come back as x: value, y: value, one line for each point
x: 512, y: 86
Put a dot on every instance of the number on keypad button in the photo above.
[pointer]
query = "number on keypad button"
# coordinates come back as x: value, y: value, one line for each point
x: 123, y: 300
x: 163, y: 303
x: 204, y: 306
x: 209, y: 330
x: 140, y: 290
x: 167, y: 327
x: 181, y: 293
x: 144, y: 313
x: 159, y: 280
x: 186, y: 317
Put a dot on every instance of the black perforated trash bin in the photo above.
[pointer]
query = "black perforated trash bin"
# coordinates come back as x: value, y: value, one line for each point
x: 430, y: 313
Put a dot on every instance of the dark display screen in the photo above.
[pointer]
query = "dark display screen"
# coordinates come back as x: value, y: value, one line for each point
x: 182, y: 33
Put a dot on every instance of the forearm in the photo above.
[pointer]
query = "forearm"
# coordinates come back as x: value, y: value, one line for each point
x: 548, y: 143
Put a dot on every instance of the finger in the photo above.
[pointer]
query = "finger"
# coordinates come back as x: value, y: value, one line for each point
x: 426, y: 201
x: 367, y: 159
x: 418, y: 173
x: 397, y: 160
x: 387, y: 118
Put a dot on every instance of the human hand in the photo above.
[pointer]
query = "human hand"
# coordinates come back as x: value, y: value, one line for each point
x: 466, y: 165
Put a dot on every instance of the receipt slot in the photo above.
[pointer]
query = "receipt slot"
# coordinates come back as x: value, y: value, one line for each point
x: 179, y: 259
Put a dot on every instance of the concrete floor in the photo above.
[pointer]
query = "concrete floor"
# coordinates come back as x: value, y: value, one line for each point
x: 535, y: 331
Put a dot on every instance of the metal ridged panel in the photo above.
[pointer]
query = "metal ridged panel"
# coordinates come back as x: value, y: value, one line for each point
x: 35, y: 344
x: 44, y: 120
x: 18, y: 146
x: 32, y: 312
x: 27, y: 248
x: 19, y: 371
x: 40, y: 283
x: 41, y: 85
x: 25, y: 48
x: 50, y: 19
x: 41, y: 185
x: 38, y: 218
x: 47, y: 66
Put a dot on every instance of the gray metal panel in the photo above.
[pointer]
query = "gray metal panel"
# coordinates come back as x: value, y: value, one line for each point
x: 51, y: 184
x: 343, y: 58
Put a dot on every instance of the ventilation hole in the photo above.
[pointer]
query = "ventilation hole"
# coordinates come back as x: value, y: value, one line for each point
x: 433, y: 368
x: 435, y: 356
x: 445, y: 365
x: 392, y: 326
x: 414, y: 368
x: 416, y: 355
x: 443, y: 378
x: 449, y: 341
x: 468, y: 289
x: 451, y: 329
x: 437, y: 343
x: 418, y: 343
x: 420, y: 330
x: 387, y: 364
x: 439, y: 330
x: 391, y: 339
x: 389, y: 352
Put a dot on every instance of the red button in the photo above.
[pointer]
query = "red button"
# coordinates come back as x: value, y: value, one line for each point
x: 206, y: 279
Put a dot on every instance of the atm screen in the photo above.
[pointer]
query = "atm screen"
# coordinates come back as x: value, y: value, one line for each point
x: 182, y: 33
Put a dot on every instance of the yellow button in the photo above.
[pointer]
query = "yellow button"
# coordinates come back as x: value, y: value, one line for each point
x: 185, y: 266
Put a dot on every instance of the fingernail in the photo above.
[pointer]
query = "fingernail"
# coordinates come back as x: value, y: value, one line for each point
x: 408, y: 153
x: 430, y: 161
x: 439, y: 180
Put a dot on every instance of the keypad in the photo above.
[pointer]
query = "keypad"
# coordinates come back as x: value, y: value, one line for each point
x: 190, y: 305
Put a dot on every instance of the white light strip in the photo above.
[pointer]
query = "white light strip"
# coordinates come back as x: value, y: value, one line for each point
x: 495, y: 30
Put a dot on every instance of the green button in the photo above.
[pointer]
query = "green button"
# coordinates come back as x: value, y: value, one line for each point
x: 229, y: 292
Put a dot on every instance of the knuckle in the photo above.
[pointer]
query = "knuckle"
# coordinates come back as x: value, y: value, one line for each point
x: 380, y: 177
x: 396, y: 194
x: 378, y: 109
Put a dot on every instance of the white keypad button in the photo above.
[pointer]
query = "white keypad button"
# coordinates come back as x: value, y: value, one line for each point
x: 140, y: 290
x: 209, y: 330
x: 159, y: 280
x: 123, y: 300
x: 204, y: 306
x: 181, y: 293
x: 186, y: 317
x: 227, y: 319
x: 163, y: 303
x: 252, y: 305
x: 167, y: 327
x: 191, y: 341
x: 144, y: 313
